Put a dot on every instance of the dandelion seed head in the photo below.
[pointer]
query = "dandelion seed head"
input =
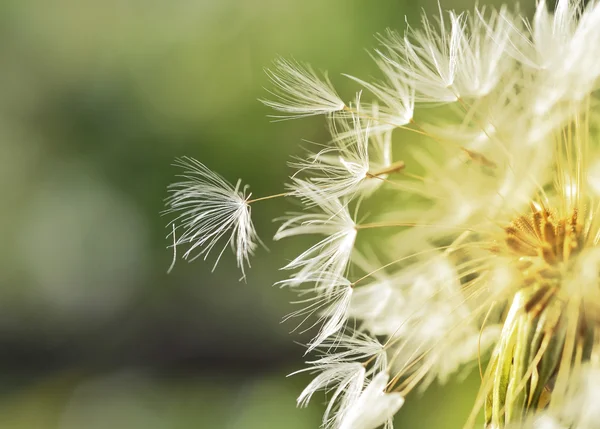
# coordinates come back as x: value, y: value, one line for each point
x: 480, y: 248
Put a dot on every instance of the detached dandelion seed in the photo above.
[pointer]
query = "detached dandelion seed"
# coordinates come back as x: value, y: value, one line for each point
x: 481, y: 251
x: 210, y: 212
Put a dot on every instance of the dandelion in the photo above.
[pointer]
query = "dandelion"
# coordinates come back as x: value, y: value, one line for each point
x: 480, y: 249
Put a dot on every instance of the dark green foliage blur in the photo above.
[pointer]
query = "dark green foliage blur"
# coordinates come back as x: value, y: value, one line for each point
x: 97, y: 98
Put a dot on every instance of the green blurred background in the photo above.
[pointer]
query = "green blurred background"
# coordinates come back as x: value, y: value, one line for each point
x: 97, y: 99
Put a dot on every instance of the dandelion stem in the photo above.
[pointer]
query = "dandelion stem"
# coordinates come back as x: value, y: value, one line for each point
x: 174, y: 251
x: 399, y: 224
x: 379, y: 121
x: 269, y: 197
x: 392, y: 168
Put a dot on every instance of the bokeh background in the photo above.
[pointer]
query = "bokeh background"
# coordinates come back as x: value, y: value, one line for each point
x: 97, y: 98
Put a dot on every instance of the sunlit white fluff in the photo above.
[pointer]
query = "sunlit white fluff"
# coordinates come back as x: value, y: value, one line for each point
x: 381, y: 160
x: 557, y: 44
x: 338, y: 375
x: 544, y: 43
x: 427, y: 58
x: 581, y: 410
x: 380, y: 302
x: 339, y: 171
x: 331, y: 218
x: 396, y: 94
x: 351, y: 347
x: 335, y: 315
x: 209, y: 210
x: 337, y: 359
x: 374, y: 407
x: 483, y: 60
x: 455, y: 57
x: 546, y: 422
x: 419, y: 309
x: 460, y: 351
x: 340, y: 354
x: 329, y: 300
x: 299, y: 91
x: 343, y: 382
x: 357, y: 163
